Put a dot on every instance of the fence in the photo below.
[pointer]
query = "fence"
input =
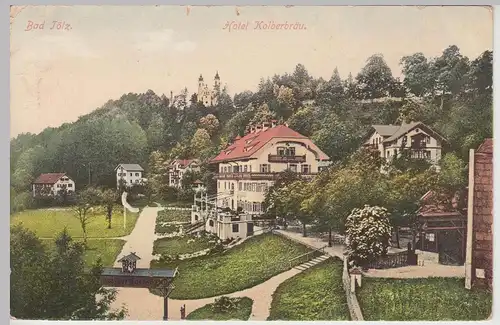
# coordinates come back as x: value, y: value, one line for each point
x: 352, y: 300
x: 408, y: 257
x: 304, y: 258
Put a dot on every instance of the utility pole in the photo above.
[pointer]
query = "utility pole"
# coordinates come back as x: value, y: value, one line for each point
x: 89, y: 174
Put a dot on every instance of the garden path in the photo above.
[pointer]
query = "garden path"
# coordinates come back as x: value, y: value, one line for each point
x: 142, y: 305
x: 431, y: 267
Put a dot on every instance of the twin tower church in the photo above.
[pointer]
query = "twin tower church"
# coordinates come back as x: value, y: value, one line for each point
x: 206, y: 95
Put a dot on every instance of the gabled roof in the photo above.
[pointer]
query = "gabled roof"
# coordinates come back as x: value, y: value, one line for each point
x: 386, y: 130
x: 248, y: 145
x: 432, y: 205
x: 132, y: 257
x: 131, y: 167
x: 407, y: 127
x: 49, y: 178
x: 185, y: 162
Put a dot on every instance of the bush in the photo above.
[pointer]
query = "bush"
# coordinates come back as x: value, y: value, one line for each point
x: 225, y: 304
x: 368, y: 233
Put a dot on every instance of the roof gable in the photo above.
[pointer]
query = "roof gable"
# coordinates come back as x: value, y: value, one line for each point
x: 130, y: 167
x: 48, y: 178
x: 386, y: 130
x: 407, y: 127
x: 246, y: 146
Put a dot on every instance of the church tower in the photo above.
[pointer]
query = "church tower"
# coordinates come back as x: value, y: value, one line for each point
x: 217, y: 82
x: 200, y: 86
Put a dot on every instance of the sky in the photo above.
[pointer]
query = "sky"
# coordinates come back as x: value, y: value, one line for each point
x: 103, y: 52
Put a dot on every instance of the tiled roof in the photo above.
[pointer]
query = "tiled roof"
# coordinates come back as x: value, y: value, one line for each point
x: 407, y: 127
x: 486, y: 146
x: 49, y: 178
x: 130, y: 257
x: 131, y: 167
x: 185, y: 162
x: 248, y: 145
x: 432, y: 206
x: 386, y: 130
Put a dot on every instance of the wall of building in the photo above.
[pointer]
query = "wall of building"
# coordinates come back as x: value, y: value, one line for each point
x: 64, y: 182
x: 131, y: 177
x: 482, y: 226
x: 434, y: 145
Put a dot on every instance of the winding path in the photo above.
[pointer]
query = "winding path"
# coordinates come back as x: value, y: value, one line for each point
x: 142, y: 305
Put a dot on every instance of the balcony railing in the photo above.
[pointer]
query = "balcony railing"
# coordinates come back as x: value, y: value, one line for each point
x: 257, y: 176
x: 286, y: 159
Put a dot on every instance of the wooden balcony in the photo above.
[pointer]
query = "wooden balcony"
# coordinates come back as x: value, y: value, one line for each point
x: 287, y: 159
x: 257, y: 176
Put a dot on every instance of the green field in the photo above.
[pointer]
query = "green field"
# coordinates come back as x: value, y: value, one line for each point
x: 173, y: 216
x: 106, y: 249
x: 244, y: 266
x: 48, y: 223
x: 430, y: 299
x: 179, y: 245
x: 313, y: 295
x: 206, y: 313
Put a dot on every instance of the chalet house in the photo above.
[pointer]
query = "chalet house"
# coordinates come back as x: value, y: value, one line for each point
x: 52, y: 184
x: 129, y: 174
x: 246, y: 168
x: 178, y: 167
x: 421, y: 140
x: 479, y: 254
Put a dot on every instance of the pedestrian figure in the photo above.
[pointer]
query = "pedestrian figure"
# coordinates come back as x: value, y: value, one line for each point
x: 183, y: 312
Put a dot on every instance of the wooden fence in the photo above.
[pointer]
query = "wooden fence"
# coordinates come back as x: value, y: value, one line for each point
x: 400, y: 259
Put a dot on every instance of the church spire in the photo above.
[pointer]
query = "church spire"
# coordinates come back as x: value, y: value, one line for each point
x: 200, y: 78
x: 217, y: 75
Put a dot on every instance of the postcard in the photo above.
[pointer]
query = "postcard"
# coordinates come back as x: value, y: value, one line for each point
x: 251, y: 163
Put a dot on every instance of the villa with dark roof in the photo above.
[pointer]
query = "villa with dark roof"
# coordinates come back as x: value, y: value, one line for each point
x: 50, y: 184
x: 178, y: 167
x: 421, y: 140
x: 129, y: 174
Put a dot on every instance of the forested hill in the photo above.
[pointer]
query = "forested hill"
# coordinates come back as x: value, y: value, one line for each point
x: 451, y: 93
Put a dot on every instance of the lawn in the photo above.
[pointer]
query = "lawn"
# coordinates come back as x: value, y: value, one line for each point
x: 246, y: 265
x: 47, y: 223
x: 107, y: 249
x: 430, y: 299
x: 206, y: 313
x: 179, y: 245
x: 313, y: 295
x: 173, y: 216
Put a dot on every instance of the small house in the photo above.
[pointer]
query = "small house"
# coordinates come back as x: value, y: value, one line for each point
x: 52, y: 184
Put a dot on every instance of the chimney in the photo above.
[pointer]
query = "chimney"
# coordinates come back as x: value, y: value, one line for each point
x: 266, y: 125
x: 274, y: 123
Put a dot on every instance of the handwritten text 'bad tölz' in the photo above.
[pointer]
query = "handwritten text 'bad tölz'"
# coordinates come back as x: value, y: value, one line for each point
x: 54, y: 25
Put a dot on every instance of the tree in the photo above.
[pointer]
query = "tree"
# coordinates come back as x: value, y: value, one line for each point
x: 86, y: 200
x: 332, y: 91
x: 418, y: 79
x: 375, y: 80
x: 209, y: 123
x: 109, y: 198
x: 55, y: 285
x: 368, y: 233
x: 200, y: 143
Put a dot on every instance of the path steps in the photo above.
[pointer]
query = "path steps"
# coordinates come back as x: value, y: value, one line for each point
x: 311, y: 263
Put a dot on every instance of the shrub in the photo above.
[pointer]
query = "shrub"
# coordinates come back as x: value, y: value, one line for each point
x: 225, y: 304
x: 368, y: 233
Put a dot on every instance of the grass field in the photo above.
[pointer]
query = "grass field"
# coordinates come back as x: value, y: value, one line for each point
x: 173, y: 216
x: 107, y: 249
x: 48, y: 223
x: 430, y: 299
x: 206, y: 313
x: 180, y: 245
x: 313, y: 295
x: 246, y: 265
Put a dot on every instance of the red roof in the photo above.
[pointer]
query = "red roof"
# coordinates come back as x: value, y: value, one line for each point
x: 433, y: 206
x: 248, y: 145
x: 486, y: 146
x: 49, y: 178
x: 183, y: 162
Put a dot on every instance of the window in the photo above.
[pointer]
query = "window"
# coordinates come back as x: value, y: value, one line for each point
x: 306, y: 169
x: 293, y: 167
x: 130, y: 174
x: 417, y: 130
x: 225, y: 185
x: 221, y: 169
x: 291, y: 151
x: 281, y: 151
x: 388, y: 153
x: 428, y: 139
x: 211, y: 223
x: 245, y: 168
x: 70, y: 185
x: 236, y: 227
x: 136, y: 174
x: 254, y: 187
x: 240, y: 185
x: 265, y: 168
x: 225, y: 169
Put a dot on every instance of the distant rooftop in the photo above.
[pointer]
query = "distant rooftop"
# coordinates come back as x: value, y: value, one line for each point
x: 130, y: 167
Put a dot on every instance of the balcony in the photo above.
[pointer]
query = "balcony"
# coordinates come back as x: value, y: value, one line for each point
x: 286, y: 159
x: 257, y: 176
